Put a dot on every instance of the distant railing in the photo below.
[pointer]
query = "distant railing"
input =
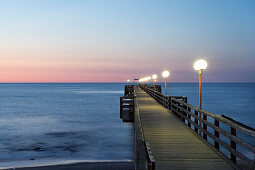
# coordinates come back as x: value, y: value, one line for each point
x: 219, y: 131
x: 161, y: 98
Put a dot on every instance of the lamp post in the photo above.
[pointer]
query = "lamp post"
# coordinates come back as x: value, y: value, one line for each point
x: 142, y: 80
x: 154, y: 77
x: 145, y: 81
x: 165, y: 74
x: 199, y: 66
x: 149, y: 80
x: 128, y: 81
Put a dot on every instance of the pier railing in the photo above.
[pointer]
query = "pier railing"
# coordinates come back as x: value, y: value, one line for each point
x: 230, y: 138
x: 161, y: 98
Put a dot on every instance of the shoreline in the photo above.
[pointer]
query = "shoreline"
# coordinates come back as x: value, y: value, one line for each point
x: 75, y: 164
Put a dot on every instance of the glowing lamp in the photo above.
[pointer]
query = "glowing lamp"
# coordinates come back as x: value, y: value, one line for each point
x: 165, y: 74
x: 200, y: 65
x: 154, y: 76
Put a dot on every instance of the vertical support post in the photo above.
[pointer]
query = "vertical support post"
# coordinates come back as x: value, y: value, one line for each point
x: 166, y: 86
x: 185, y: 100
x: 200, y: 88
x: 154, y: 89
x: 183, y: 113
x: 233, y: 145
x: 172, y: 106
x: 185, y: 108
x: 200, y: 122
x: 132, y: 112
x: 121, y: 107
x: 163, y: 101
x: 188, y: 109
x: 169, y: 103
x: 205, y: 127
x: 196, y: 121
x: 178, y: 110
x: 166, y: 101
x: 216, y: 133
x: 189, y: 124
x: 200, y: 97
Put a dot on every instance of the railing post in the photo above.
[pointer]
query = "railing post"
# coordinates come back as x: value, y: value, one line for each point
x: 164, y: 101
x: 182, y: 112
x: 169, y: 103
x: 216, y: 134
x: 196, y: 121
x: 233, y: 145
x: 121, y: 107
x: 189, y: 124
x: 204, y: 126
x: 172, y: 102
x: 200, y: 125
x: 185, y: 100
x: 178, y: 110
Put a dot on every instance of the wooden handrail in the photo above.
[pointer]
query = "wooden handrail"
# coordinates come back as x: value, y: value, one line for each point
x: 234, y: 140
x: 222, y: 119
x: 222, y: 131
x: 221, y: 142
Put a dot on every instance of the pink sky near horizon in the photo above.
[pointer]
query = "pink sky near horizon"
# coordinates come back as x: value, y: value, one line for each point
x: 80, y: 70
x: 112, y: 65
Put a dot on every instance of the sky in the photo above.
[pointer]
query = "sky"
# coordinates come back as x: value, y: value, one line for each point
x: 116, y: 40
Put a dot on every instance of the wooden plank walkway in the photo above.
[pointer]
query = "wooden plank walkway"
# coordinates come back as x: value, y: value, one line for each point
x: 172, y: 144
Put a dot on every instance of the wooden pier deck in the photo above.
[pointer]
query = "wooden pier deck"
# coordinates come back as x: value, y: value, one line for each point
x: 172, y: 144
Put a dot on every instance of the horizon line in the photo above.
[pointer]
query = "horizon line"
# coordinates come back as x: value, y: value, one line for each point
x: 110, y: 82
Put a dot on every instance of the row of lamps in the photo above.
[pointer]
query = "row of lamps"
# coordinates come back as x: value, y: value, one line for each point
x: 199, y: 66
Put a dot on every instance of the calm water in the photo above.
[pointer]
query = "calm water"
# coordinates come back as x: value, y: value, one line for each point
x: 52, y: 122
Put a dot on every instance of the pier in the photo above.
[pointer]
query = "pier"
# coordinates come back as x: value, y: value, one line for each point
x: 171, y: 134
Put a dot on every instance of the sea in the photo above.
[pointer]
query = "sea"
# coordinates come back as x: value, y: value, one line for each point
x: 48, y: 123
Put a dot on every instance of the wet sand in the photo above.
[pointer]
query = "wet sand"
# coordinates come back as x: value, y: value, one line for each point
x: 85, y: 166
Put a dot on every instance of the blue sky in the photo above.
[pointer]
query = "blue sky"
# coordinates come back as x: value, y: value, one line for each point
x: 111, y: 41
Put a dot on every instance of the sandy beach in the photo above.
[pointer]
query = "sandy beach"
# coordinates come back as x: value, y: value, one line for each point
x: 84, y: 165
